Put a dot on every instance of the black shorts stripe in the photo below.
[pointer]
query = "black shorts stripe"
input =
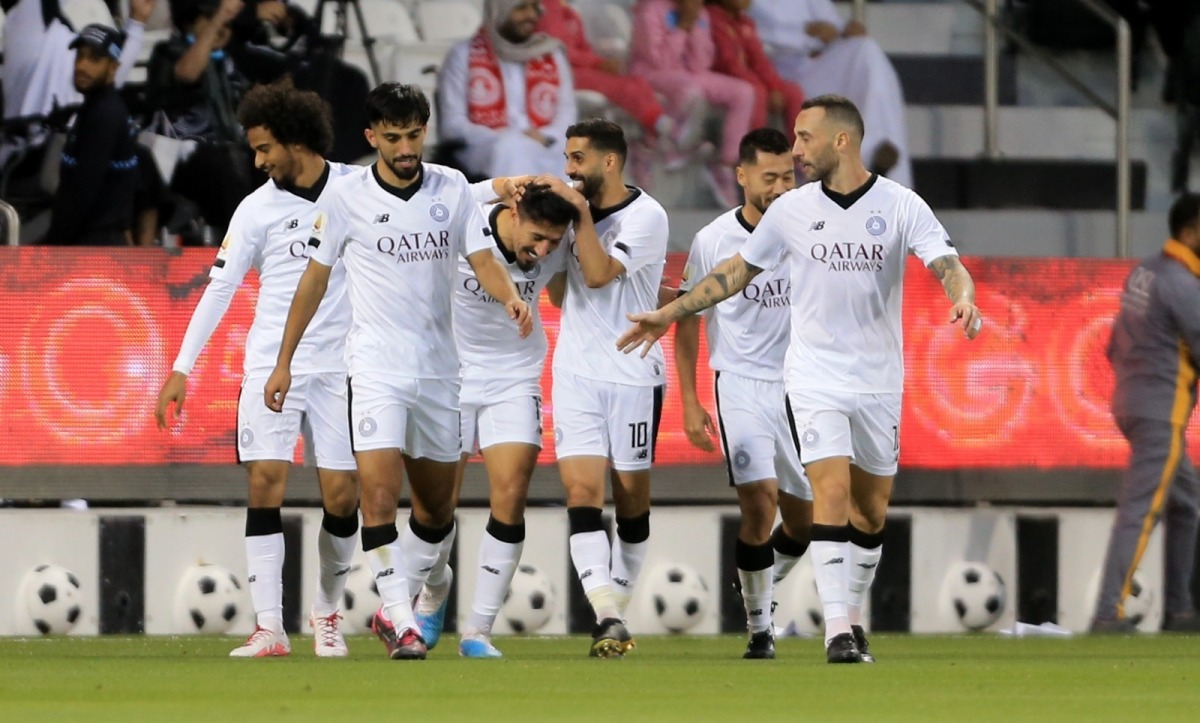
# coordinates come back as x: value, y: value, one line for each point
x: 787, y: 404
x: 721, y: 429
x: 350, y: 410
x: 658, y: 405
x: 237, y: 428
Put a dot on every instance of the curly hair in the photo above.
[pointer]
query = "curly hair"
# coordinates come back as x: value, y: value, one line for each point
x: 294, y: 117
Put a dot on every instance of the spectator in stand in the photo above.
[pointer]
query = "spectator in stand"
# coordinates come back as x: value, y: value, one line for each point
x: 606, y: 76
x: 740, y: 54
x: 507, y: 95
x: 673, y: 50
x: 812, y: 45
x: 94, y: 202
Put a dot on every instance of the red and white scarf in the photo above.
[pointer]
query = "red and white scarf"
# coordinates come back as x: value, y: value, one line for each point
x: 486, y: 104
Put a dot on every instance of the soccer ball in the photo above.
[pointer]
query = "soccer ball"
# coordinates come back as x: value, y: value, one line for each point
x: 680, y: 597
x: 360, y: 600
x: 800, y: 611
x: 207, y: 599
x: 52, y: 599
x: 1140, y: 601
x: 976, y: 593
x: 530, y: 600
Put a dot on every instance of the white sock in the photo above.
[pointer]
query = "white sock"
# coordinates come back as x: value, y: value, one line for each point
x: 831, y: 561
x: 420, y: 558
x: 590, y: 554
x: 757, y: 590
x: 497, y: 564
x: 264, y: 563
x: 863, y: 563
x: 438, y: 577
x: 627, y: 559
x: 387, y: 562
x: 783, y: 565
x: 336, y: 554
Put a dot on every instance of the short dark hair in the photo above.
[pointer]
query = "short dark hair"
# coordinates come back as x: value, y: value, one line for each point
x: 397, y: 104
x: 767, y: 140
x: 541, y: 205
x: 605, y: 136
x: 840, y: 109
x: 1184, y: 212
x: 185, y: 12
x: 293, y: 116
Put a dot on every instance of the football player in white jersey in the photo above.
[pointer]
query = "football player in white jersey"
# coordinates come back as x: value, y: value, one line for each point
x: 607, y: 405
x: 747, y: 340
x: 399, y: 226
x: 289, y: 131
x: 501, y: 396
x: 846, y: 238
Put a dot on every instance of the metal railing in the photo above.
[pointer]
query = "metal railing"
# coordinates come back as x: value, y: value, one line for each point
x: 993, y: 26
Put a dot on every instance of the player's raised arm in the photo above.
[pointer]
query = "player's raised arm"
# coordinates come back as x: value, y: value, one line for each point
x: 960, y: 289
x: 309, y: 292
x: 728, y: 278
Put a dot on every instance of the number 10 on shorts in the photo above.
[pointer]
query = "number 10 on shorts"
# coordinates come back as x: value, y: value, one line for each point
x: 639, y: 434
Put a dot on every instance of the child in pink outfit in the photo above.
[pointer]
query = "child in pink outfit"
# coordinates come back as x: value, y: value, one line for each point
x: 673, y: 50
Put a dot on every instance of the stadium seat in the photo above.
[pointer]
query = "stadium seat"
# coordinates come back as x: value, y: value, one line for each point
x: 447, y: 19
x: 10, y: 224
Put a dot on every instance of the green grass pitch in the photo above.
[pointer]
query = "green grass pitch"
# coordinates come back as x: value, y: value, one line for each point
x: 961, y: 678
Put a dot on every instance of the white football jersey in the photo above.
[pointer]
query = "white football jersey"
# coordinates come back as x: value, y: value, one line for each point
x: 747, y: 333
x: 489, y: 346
x: 847, y: 256
x: 635, y: 233
x: 269, y: 232
x: 400, y: 247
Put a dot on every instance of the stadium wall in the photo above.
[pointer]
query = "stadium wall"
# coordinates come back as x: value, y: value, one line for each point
x: 137, y: 570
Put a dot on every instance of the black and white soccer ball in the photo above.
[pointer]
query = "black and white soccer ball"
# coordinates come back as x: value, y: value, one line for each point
x: 680, y: 596
x: 530, y: 601
x: 207, y: 600
x: 52, y: 599
x: 360, y: 599
x: 977, y: 594
x: 1140, y: 602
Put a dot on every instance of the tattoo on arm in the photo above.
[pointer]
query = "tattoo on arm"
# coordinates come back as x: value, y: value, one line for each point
x: 728, y: 278
x: 955, y: 278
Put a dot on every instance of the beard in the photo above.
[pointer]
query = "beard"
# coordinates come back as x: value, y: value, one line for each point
x: 403, y: 174
x: 589, y: 185
x: 761, y: 202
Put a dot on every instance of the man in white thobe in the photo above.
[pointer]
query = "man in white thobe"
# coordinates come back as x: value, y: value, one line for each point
x: 813, y: 45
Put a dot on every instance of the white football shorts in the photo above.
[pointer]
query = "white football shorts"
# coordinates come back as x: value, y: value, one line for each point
x: 601, y: 419
x: 501, y: 411
x: 417, y: 416
x: 863, y: 427
x: 267, y: 435
x: 758, y: 442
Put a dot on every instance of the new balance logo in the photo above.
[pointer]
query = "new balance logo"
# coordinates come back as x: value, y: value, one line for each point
x: 294, y: 223
x: 382, y: 218
x: 643, y: 454
x: 867, y: 565
x: 490, y: 569
x: 252, y: 578
x: 621, y: 581
x: 385, y: 573
x: 756, y: 611
x: 586, y: 574
x: 817, y: 226
x: 341, y: 572
x: 836, y: 561
x: 426, y: 569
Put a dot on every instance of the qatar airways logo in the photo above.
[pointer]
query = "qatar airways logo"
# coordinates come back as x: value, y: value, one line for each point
x: 849, y: 256
x: 527, y: 289
x: 416, y: 247
x: 771, y: 294
x: 298, y: 250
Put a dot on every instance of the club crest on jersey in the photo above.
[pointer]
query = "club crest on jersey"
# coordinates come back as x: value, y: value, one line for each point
x: 534, y: 272
x: 438, y: 212
x: 741, y: 459
x: 876, y: 225
x: 367, y: 426
x: 246, y: 438
x: 809, y: 437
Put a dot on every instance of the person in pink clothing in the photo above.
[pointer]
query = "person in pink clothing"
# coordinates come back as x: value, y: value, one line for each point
x: 673, y: 49
x: 740, y: 54
x: 603, y: 75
